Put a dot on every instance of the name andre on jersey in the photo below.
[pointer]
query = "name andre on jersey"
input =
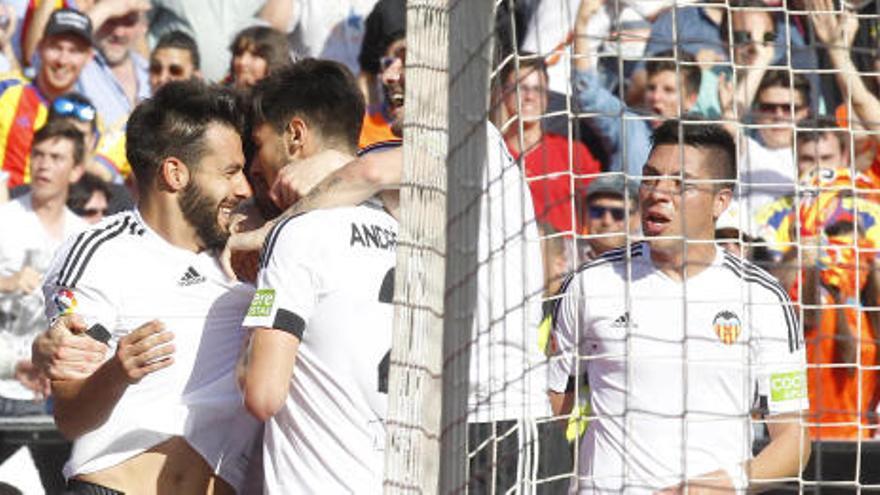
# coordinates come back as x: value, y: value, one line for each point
x: 372, y: 236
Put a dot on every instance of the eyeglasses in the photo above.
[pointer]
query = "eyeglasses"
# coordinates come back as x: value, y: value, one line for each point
x: 778, y: 107
x: 90, y: 212
x: 597, y: 212
x: 64, y: 107
x: 174, y: 70
x: 389, y: 60
x: 745, y: 37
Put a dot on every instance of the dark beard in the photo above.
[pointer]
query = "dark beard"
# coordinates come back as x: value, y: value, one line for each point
x: 201, y: 213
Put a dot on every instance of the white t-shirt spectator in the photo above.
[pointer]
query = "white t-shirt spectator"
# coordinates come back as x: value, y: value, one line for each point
x: 331, y: 30
x: 25, y: 242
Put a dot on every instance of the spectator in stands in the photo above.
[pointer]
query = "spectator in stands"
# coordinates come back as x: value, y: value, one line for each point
x: 545, y: 154
x: 753, y: 47
x: 557, y: 263
x: 767, y: 168
x: 618, y: 25
x: 118, y: 78
x: 64, y: 50
x: 702, y: 30
x: 8, y: 22
x: 819, y: 186
x: 841, y: 335
x: 321, y: 29
x: 819, y: 145
x: 212, y: 28
x: 731, y: 234
x: 837, y: 32
x: 384, y: 119
x: 175, y: 58
x: 667, y: 97
x: 386, y: 27
x: 41, y: 222
x: 821, y: 149
x: 256, y: 52
x: 89, y: 198
x: 105, y: 155
x: 609, y: 207
x: 385, y: 24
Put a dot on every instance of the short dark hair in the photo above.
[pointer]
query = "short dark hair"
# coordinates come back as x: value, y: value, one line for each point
x: 270, y: 44
x: 528, y: 61
x: 173, y: 123
x: 61, y: 128
x: 690, y: 72
x: 181, y: 41
x: 321, y: 92
x: 814, y: 128
x: 691, y: 131
x: 385, y: 25
x: 81, y: 191
x: 783, y: 78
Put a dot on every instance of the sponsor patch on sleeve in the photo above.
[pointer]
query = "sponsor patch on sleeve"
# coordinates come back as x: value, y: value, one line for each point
x: 788, y: 386
x: 262, y: 303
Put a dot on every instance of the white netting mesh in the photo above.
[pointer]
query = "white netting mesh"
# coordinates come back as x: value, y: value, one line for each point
x: 806, y: 211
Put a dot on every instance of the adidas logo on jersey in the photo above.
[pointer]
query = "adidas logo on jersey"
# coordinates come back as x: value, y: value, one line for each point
x: 191, y: 277
x: 622, y: 321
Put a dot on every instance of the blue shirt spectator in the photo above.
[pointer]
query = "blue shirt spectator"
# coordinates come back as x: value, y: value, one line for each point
x: 617, y: 124
x: 101, y: 86
x: 696, y: 30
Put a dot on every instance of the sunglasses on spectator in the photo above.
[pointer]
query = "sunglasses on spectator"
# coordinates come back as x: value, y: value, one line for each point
x: 597, y: 212
x: 90, y: 212
x: 173, y: 69
x: 69, y: 108
x: 778, y: 107
x: 745, y: 37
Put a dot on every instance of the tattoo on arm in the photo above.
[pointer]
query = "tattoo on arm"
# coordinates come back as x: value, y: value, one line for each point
x: 312, y: 199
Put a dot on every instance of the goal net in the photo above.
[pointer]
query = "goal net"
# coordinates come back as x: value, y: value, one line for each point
x: 523, y: 266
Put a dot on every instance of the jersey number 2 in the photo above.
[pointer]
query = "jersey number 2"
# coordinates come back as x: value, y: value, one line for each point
x: 386, y: 295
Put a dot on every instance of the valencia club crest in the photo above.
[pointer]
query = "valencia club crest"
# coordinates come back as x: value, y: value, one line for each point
x: 727, y: 327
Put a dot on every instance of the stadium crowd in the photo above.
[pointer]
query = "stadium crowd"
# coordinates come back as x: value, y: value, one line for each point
x: 139, y: 138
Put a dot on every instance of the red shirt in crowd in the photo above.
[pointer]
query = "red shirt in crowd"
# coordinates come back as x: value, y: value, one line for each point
x: 550, y: 178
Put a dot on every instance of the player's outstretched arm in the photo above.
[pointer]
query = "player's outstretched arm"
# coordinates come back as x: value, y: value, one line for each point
x: 268, y: 366
x: 64, y: 352
x: 83, y: 405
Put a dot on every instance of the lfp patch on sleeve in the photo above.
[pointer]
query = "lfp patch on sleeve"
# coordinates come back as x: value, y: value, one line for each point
x: 65, y: 301
x: 262, y: 303
x: 788, y: 386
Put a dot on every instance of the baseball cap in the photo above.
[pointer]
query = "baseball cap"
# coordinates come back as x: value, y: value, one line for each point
x: 612, y: 184
x: 69, y: 21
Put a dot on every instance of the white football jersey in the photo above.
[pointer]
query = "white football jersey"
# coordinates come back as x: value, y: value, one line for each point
x: 328, y: 277
x: 508, y: 372
x: 675, y: 369
x: 121, y: 274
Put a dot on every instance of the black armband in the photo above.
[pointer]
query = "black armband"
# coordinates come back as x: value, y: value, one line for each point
x: 289, y: 322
